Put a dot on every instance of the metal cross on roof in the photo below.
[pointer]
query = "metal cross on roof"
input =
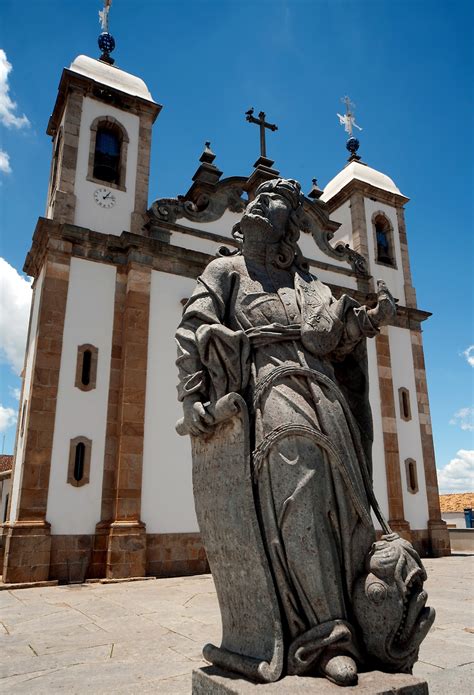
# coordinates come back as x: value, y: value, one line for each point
x: 104, y: 15
x: 348, y: 120
x: 260, y: 121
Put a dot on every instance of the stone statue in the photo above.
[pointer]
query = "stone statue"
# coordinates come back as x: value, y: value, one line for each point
x: 274, y: 385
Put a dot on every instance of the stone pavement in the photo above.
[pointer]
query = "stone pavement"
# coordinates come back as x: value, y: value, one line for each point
x: 146, y: 636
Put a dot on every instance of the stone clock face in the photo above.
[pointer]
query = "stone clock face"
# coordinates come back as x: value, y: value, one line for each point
x: 104, y: 197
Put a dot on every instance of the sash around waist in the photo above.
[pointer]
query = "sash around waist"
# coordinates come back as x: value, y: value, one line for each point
x: 273, y: 333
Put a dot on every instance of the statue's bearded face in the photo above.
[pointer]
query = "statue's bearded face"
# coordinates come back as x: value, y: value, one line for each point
x: 267, y: 215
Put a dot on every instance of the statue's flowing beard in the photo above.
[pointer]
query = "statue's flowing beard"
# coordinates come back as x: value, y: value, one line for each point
x: 257, y: 228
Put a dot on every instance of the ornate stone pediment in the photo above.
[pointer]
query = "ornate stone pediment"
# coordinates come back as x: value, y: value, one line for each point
x: 209, y: 204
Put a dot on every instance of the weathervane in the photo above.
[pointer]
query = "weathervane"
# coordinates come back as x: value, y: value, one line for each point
x: 260, y: 121
x: 348, y: 121
x: 106, y: 41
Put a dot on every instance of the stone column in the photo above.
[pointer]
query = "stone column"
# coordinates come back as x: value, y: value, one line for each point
x: 143, y: 172
x: 410, y: 295
x: 437, y: 529
x: 126, y: 549
x: 359, y: 237
x: 28, y: 540
x: 390, y: 437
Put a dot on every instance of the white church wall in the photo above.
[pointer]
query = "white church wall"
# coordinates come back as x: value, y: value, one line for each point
x: 392, y: 276
x: 343, y: 216
x: 89, y: 319
x: 222, y: 226
x: 167, y: 497
x: 409, y: 441
x: 88, y: 214
x: 378, y: 455
x: 196, y: 243
x: 29, y: 363
x: 334, y: 278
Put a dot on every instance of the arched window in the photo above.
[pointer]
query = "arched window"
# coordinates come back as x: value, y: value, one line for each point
x: 108, y: 152
x: 107, y: 155
x: 412, y: 476
x: 383, y: 232
x: 86, y: 367
x: 79, y: 461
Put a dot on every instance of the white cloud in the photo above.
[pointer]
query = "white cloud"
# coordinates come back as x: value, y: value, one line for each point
x: 469, y: 355
x: 7, y: 105
x: 15, y: 300
x: 5, y: 162
x: 464, y: 418
x: 7, y: 418
x: 15, y: 392
x: 458, y: 475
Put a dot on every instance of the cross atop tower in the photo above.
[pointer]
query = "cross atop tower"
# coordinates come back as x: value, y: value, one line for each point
x: 106, y: 41
x: 348, y: 120
x: 260, y: 121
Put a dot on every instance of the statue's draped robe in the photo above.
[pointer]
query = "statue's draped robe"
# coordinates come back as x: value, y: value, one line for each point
x: 298, y: 357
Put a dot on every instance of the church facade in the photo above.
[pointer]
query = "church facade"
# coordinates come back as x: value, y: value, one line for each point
x: 101, y: 483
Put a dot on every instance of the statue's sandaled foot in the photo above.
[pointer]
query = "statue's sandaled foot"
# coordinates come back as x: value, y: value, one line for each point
x: 338, y: 668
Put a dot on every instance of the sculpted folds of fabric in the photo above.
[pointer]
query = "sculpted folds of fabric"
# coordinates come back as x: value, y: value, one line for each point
x: 274, y: 384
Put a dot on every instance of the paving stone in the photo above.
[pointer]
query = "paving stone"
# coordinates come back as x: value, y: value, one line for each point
x: 146, y: 637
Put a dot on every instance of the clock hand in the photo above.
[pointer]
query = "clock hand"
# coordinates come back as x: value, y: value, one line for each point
x: 106, y: 196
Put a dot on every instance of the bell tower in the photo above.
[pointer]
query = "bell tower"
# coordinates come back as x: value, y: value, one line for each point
x: 87, y: 339
x: 101, y: 130
x: 370, y: 209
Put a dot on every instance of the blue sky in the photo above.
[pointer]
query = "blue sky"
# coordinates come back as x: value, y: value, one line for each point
x: 408, y: 66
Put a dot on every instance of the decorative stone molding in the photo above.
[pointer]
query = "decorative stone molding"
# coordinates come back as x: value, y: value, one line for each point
x: 206, y: 208
x: 80, y: 477
x: 110, y: 123
x: 86, y: 367
x: 411, y: 476
x: 210, y: 205
x: 404, y: 403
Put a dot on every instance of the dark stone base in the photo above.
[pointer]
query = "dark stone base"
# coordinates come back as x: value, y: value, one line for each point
x: 213, y: 681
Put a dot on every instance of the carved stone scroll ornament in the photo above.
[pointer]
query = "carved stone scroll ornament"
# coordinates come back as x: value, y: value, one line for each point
x: 274, y: 385
x: 208, y: 207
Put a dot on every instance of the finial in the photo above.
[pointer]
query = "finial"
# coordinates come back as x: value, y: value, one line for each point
x: 348, y: 121
x: 106, y: 41
x: 315, y: 191
x: 208, y: 155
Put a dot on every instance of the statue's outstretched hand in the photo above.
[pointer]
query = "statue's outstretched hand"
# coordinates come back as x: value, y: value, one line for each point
x: 196, y: 419
x: 385, y: 310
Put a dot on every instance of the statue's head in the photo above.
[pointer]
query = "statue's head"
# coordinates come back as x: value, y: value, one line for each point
x: 275, y: 216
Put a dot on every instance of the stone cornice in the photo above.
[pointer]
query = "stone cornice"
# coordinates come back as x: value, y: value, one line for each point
x: 55, y: 240
x: 71, y: 80
x: 367, y: 190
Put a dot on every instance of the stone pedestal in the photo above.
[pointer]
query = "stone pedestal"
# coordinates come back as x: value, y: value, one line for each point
x: 213, y: 681
x: 27, y: 552
x: 126, y: 552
